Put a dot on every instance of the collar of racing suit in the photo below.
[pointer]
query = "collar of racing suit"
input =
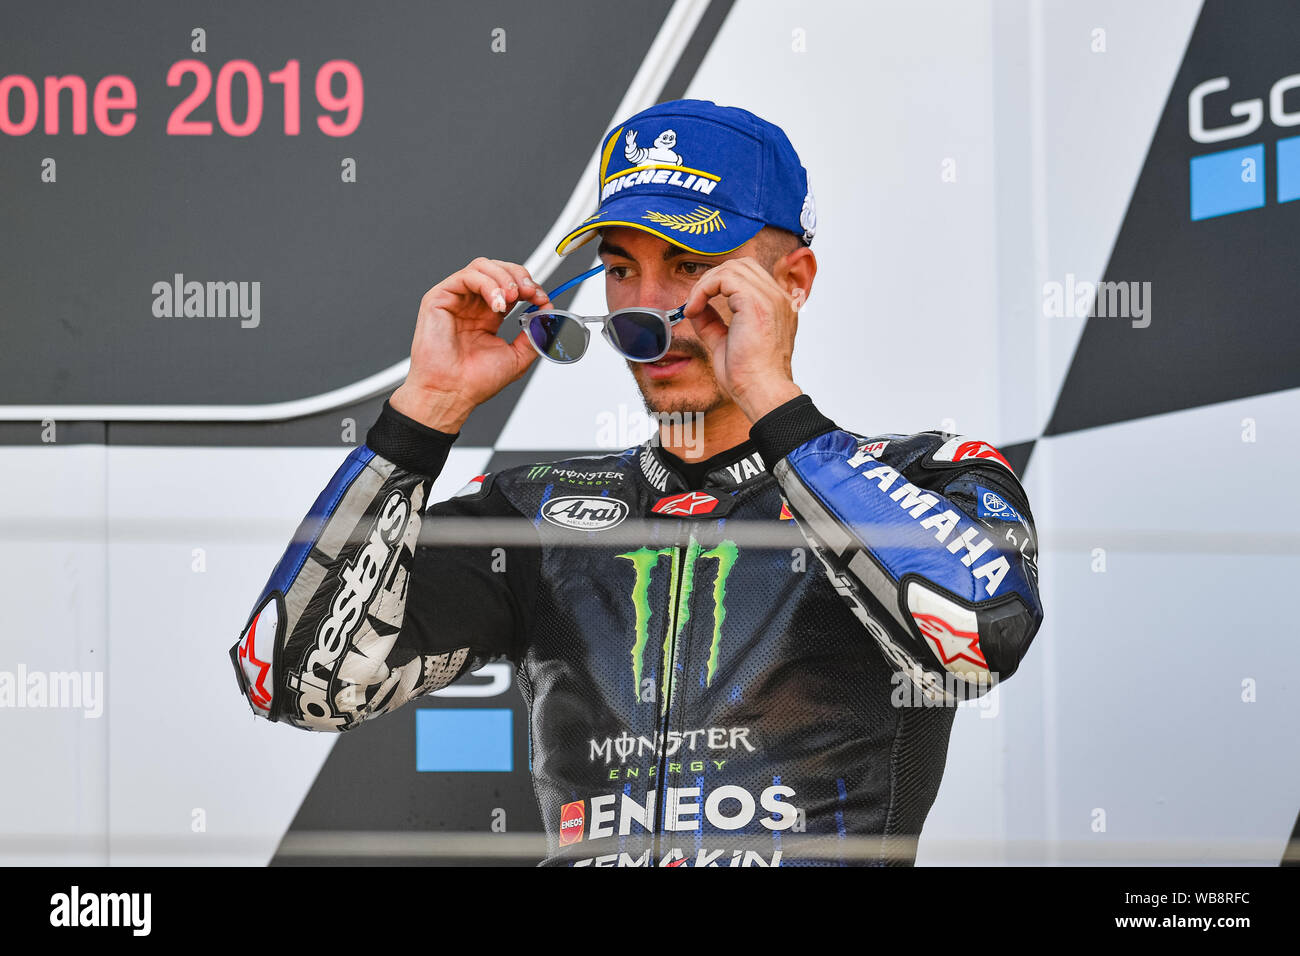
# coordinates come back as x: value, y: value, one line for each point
x: 733, y: 467
x: 771, y: 438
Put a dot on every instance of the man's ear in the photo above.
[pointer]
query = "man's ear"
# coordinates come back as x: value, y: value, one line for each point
x: 794, y: 272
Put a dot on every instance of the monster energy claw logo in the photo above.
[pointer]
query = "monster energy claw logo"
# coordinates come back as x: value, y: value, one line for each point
x: 644, y: 561
x: 538, y: 471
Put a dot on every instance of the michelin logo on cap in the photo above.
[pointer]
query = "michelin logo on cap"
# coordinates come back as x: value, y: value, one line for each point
x: 703, y: 177
x: 662, y: 151
x: 651, y: 166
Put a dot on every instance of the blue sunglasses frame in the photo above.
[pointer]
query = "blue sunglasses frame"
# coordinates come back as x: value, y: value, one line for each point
x: 669, y: 318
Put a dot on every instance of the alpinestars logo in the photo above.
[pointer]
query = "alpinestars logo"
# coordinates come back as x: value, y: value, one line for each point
x: 690, y: 503
x: 681, y: 571
x: 260, y: 639
x: 962, y: 448
x: 358, y: 583
x: 949, y: 643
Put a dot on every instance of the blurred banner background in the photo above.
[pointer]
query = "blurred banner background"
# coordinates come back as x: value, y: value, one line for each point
x: 977, y: 167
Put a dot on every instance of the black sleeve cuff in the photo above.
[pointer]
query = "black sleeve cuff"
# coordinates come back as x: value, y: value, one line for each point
x: 788, y: 426
x: 409, y: 444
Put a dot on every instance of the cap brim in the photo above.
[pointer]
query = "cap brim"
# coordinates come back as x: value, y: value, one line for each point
x: 692, y: 224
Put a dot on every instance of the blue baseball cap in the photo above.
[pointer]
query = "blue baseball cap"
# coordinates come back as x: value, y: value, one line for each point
x: 701, y: 176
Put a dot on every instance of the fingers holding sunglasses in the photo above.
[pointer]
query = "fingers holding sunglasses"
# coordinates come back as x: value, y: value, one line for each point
x: 753, y: 297
x: 498, y: 284
x: 751, y: 351
x: 502, y: 288
x: 524, y: 350
x: 472, y: 294
x: 710, y: 328
x: 730, y: 280
x: 525, y: 287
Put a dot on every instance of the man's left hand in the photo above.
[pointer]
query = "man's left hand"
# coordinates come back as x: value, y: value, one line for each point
x: 751, y: 355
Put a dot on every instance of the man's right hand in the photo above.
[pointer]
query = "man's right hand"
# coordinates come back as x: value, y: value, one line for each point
x: 457, y: 360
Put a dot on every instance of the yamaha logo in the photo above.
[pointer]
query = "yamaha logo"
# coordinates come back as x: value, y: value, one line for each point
x: 993, y: 502
x: 585, y: 514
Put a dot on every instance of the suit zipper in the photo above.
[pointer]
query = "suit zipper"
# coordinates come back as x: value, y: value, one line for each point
x: 670, y: 659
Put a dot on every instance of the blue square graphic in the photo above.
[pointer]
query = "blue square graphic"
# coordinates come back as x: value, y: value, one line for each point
x: 475, y: 740
x: 1288, y: 169
x: 1217, y: 185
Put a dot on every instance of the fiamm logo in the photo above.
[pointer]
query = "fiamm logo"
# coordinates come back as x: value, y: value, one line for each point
x: 1232, y: 180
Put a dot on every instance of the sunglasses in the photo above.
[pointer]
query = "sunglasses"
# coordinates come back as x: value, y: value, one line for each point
x: 639, y: 334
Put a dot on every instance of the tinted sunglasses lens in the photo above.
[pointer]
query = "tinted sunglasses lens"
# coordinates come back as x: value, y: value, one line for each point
x: 558, y: 337
x: 641, y: 336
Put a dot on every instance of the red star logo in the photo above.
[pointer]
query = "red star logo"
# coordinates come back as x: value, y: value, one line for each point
x: 690, y: 503
x: 980, y: 449
x: 259, y: 693
x: 951, y: 644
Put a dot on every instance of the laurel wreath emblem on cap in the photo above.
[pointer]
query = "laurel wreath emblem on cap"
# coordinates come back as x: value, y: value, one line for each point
x: 699, y: 220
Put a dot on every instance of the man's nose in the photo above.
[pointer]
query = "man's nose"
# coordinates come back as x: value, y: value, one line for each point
x: 657, y: 291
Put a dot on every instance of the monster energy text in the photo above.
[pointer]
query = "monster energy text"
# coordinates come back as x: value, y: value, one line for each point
x: 625, y: 745
x: 572, y: 476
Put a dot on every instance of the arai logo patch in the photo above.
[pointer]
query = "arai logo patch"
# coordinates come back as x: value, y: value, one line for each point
x: 585, y: 514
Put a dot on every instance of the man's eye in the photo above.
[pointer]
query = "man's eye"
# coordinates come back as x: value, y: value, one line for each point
x: 695, y: 268
x: 618, y: 272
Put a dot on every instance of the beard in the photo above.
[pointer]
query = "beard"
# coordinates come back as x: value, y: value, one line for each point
x: 713, y: 396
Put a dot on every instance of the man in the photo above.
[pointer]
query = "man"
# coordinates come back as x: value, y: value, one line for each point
x: 699, y: 692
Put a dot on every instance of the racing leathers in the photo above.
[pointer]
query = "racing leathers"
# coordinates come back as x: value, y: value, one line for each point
x: 755, y: 668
